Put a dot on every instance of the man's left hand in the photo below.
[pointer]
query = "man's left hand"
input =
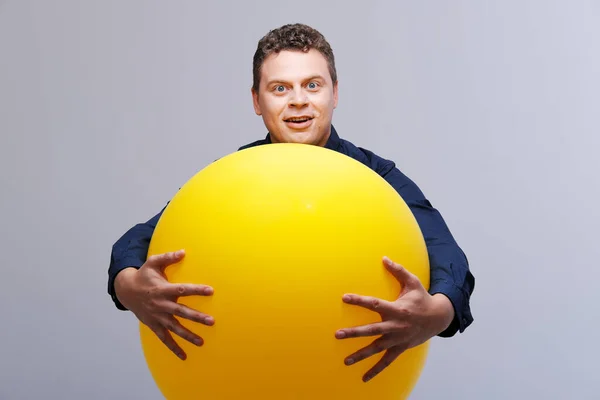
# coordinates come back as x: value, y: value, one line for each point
x: 412, y: 319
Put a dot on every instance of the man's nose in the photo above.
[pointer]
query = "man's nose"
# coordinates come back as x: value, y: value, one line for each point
x: 298, y: 98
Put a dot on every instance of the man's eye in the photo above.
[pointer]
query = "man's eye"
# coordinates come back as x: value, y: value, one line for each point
x: 279, y: 88
x: 313, y: 85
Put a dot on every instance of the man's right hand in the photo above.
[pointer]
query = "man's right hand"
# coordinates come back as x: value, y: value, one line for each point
x: 147, y: 293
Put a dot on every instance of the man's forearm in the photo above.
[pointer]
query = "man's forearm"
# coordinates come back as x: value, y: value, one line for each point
x: 121, y: 279
x: 130, y: 250
x: 444, y: 311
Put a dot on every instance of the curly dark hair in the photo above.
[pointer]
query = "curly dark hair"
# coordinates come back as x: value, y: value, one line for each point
x: 297, y: 37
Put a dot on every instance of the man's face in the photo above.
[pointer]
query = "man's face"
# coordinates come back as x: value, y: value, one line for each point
x: 296, y: 97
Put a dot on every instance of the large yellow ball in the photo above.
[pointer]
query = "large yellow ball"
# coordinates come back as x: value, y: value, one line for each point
x: 282, y: 232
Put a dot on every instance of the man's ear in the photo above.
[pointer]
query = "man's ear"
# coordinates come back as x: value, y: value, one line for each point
x: 335, y: 94
x: 255, y: 102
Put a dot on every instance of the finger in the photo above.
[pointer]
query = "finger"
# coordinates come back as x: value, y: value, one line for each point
x: 404, y: 276
x: 175, y: 326
x: 368, y: 302
x: 186, y: 312
x: 161, y: 261
x: 377, y: 346
x: 163, y: 334
x: 383, y: 363
x: 187, y: 289
x: 375, y: 329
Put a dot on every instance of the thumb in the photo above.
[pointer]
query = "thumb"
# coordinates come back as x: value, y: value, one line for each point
x: 161, y: 261
x: 405, y: 277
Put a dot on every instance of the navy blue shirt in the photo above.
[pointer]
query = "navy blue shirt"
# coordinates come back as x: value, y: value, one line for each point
x: 450, y: 274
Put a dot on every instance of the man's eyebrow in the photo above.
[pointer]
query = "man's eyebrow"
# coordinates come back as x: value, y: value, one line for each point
x: 310, y: 78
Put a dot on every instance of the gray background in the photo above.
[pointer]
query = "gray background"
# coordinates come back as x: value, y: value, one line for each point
x: 107, y: 107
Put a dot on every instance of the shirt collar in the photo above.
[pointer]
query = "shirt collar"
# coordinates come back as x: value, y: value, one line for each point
x: 333, y: 143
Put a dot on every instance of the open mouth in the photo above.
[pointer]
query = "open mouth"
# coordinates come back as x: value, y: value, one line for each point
x: 298, y: 120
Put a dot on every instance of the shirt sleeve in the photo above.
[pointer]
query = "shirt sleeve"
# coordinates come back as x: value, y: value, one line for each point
x: 450, y: 273
x: 130, y: 250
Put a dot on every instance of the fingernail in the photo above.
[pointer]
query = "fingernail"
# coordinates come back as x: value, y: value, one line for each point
x: 367, y: 378
x: 208, y: 290
x: 181, y: 355
x: 349, y: 361
x: 346, y: 297
x: 198, y: 342
x: 340, y: 334
x: 209, y: 320
x: 387, y: 260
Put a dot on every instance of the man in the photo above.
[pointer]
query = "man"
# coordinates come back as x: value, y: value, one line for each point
x: 295, y: 90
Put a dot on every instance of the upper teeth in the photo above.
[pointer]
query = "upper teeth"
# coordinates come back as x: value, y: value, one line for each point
x: 298, y: 119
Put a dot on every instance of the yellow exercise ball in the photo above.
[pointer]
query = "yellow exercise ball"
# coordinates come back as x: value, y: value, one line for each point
x: 282, y: 232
